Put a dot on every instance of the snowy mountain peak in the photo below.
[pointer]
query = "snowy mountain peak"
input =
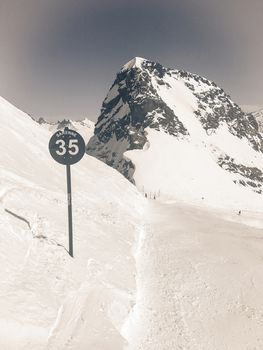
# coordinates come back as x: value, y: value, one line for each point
x: 135, y: 62
x: 84, y: 127
x: 42, y: 120
x: 159, y: 124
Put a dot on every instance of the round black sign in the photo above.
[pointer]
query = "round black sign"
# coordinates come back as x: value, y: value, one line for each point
x: 67, y: 147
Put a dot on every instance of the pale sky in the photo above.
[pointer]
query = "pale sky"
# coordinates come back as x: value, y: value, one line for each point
x: 59, y: 57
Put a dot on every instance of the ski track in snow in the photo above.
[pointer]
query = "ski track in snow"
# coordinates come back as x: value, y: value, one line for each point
x: 198, y: 283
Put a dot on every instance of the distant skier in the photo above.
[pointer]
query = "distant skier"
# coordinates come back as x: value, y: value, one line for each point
x: 239, y: 213
x: 145, y: 195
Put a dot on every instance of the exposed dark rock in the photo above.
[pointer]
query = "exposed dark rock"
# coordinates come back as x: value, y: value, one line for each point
x: 252, y: 176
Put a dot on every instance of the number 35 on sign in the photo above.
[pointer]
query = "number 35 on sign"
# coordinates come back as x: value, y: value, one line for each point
x: 67, y: 147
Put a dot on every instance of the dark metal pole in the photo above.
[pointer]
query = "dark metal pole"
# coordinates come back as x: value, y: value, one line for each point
x: 70, y: 229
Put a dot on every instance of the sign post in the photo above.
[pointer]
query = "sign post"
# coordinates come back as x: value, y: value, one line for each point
x: 70, y: 223
x: 67, y: 147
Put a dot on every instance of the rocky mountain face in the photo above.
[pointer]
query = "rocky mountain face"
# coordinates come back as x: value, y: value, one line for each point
x: 147, y: 96
x: 258, y: 115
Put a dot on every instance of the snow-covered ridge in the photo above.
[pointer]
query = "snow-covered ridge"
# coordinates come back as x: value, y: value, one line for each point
x: 49, y: 300
x: 151, y: 105
x: 85, y: 127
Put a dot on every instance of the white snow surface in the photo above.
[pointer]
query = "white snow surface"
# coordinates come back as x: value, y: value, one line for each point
x: 135, y: 62
x: 199, y: 281
x: 49, y: 300
x: 187, y: 171
x: 145, y: 275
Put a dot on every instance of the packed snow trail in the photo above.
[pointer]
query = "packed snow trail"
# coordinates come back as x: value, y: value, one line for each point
x: 199, y: 281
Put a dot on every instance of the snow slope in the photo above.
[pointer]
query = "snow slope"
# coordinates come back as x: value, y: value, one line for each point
x: 146, y: 274
x: 49, y: 300
x: 199, y: 280
x: 194, y: 176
